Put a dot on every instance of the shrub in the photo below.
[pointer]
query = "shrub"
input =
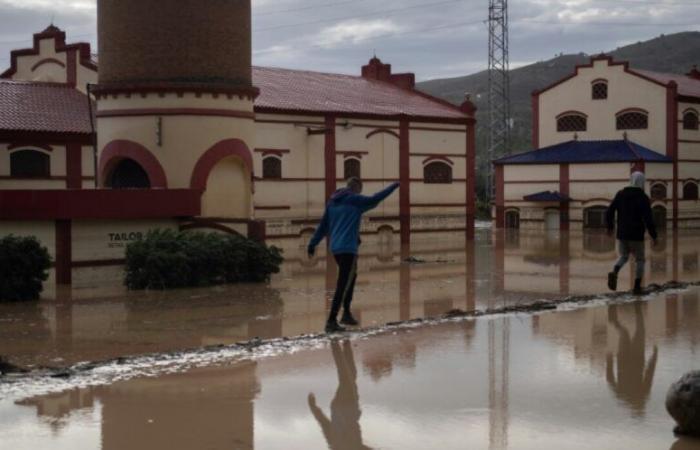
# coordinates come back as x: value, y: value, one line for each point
x: 24, y: 263
x: 167, y: 259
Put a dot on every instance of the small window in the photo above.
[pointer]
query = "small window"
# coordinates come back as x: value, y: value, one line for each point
x: 594, y: 217
x: 690, y: 191
x: 658, y: 192
x: 633, y: 120
x: 437, y: 172
x: 690, y: 120
x: 351, y: 168
x: 599, y: 90
x: 272, y: 167
x: 30, y: 163
x: 512, y: 219
x: 571, y: 122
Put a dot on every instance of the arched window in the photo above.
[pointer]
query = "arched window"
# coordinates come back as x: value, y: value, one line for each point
x: 632, y: 120
x: 128, y: 174
x: 351, y: 168
x: 30, y: 163
x: 658, y: 191
x: 690, y: 120
x: 599, y: 90
x: 690, y: 191
x: 437, y: 172
x: 571, y: 122
x: 272, y: 167
x: 594, y: 217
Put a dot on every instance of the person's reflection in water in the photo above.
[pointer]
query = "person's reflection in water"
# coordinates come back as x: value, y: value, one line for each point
x: 633, y: 382
x: 342, y: 430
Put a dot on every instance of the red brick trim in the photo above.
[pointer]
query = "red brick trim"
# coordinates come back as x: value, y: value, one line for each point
x: 60, y: 46
x: 438, y: 158
x: 272, y: 151
x: 633, y: 109
x: 69, y: 204
x: 382, y: 130
x: 118, y: 150
x: 535, y: 120
x: 18, y: 146
x: 500, y: 197
x: 625, y: 65
x: 217, y: 152
x: 404, y: 177
x: 273, y: 208
x: 470, y: 193
x: 441, y: 155
x: 137, y: 112
x: 33, y: 138
x: 351, y: 153
x: 571, y: 113
x: 564, y: 178
x: 47, y: 61
x: 143, y: 89
x: 672, y: 143
x: 689, y: 141
x: 74, y: 166
x: 72, y: 70
x: 599, y: 80
x: 64, y: 251
x: 329, y: 154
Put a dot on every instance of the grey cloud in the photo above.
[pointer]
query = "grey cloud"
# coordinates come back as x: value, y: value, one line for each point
x: 432, y: 38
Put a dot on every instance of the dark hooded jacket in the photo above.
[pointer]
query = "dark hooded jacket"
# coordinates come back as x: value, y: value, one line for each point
x: 633, y: 210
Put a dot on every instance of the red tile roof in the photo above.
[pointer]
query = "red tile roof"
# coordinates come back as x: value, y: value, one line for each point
x: 43, y: 107
x: 686, y: 85
x: 302, y: 91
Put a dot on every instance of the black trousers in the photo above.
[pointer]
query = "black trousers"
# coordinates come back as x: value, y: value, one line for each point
x: 347, y: 274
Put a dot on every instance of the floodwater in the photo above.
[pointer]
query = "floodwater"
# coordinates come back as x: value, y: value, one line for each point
x: 97, y: 319
x: 589, y: 378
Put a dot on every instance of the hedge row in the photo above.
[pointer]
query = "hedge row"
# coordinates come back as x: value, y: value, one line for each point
x: 167, y: 259
x: 24, y: 265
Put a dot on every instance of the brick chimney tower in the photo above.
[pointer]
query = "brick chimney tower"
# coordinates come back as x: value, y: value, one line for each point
x: 175, y: 99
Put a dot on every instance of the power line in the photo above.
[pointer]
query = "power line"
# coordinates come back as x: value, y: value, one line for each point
x: 305, y: 8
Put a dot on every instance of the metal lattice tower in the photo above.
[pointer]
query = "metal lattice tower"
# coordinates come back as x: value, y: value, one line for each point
x: 499, y: 85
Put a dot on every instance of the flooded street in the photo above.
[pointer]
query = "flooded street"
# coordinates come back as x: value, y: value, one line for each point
x: 99, y: 319
x: 573, y: 379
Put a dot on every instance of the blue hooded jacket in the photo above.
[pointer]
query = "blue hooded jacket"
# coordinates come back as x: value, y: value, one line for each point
x: 341, y: 221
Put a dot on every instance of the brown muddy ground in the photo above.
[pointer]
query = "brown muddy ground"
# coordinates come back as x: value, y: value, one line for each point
x: 589, y: 378
x: 98, y: 319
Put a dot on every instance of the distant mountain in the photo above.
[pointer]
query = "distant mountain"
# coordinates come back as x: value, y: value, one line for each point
x: 675, y: 53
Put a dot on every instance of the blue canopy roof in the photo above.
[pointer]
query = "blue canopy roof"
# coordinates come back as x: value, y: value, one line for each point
x: 587, y: 152
x: 547, y: 196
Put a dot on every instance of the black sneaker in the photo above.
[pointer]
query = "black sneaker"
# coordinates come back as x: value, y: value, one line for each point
x: 348, y: 319
x: 333, y: 327
x: 638, y: 288
x: 612, y: 281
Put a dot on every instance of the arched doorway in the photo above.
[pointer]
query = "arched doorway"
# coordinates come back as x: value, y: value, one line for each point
x: 513, y: 219
x: 128, y: 174
x: 228, y: 190
x: 594, y: 217
x: 658, y: 213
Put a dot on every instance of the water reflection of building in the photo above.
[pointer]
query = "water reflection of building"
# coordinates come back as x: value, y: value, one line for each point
x: 215, y: 404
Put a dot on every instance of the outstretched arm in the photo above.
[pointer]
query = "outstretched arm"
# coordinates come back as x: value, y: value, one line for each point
x: 369, y: 202
x: 321, y: 232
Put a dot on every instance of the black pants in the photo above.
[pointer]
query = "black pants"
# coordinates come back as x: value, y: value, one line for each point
x: 347, y: 274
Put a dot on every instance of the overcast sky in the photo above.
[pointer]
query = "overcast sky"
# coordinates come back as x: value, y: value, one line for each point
x: 432, y: 38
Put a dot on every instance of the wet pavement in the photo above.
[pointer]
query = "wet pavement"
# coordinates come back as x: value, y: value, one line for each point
x: 98, y: 319
x: 594, y: 377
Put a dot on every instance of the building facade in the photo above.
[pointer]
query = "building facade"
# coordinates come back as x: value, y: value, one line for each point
x: 92, y: 158
x: 590, y: 130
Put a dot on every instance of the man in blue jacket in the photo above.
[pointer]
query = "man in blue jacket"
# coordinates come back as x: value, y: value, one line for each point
x: 341, y: 223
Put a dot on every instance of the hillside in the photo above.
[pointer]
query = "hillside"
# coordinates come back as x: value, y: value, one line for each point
x: 666, y: 53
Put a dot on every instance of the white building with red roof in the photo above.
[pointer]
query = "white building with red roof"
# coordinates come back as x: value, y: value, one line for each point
x: 85, y: 176
x: 590, y: 130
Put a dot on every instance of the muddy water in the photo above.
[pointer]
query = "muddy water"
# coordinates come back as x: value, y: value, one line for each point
x: 591, y: 378
x: 98, y: 319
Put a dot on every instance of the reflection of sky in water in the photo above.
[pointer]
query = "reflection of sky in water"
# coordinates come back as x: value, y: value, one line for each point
x: 525, y: 382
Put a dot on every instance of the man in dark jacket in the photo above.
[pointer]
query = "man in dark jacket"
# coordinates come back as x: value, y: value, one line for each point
x: 634, y: 216
x: 341, y: 223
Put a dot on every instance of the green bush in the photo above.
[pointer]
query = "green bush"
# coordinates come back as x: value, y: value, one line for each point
x: 23, y: 268
x: 167, y: 259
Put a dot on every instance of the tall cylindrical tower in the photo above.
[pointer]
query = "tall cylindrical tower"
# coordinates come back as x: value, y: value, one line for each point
x: 175, y: 99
